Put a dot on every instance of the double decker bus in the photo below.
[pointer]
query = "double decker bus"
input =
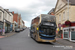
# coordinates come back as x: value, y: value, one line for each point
x: 43, y: 28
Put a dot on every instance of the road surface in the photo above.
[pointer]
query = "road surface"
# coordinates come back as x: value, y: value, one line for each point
x: 22, y: 41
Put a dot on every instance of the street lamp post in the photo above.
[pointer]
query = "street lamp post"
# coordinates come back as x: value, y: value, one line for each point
x: 68, y: 9
x: 68, y: 14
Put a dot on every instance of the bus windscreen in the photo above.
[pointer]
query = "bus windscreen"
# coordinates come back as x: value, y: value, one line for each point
x: 48, y: 18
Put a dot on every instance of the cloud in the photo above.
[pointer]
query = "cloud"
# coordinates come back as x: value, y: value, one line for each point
x: 28, y: 9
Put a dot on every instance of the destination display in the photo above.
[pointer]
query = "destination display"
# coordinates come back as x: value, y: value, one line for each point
x: 49, y: 24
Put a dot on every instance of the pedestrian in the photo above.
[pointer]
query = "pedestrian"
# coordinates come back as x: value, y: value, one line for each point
x: 0, y: 31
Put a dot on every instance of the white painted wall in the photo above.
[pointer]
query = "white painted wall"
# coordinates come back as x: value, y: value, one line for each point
x: 5, y: 15
x: 1, y: 18
x: 11, y: 18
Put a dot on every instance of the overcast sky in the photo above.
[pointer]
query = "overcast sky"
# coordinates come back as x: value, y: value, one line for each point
x: 28, y: 9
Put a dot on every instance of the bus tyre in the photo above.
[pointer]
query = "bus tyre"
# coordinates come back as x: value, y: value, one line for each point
x: 36, y: 40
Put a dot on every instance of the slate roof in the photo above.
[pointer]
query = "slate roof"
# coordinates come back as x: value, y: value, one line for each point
x: 72, y: 2
x: 52, y: 10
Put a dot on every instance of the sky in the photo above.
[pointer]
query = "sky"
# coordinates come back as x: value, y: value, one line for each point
x: 28, y: 9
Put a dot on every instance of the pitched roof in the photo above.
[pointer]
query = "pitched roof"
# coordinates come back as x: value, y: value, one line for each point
x: 52, y: 10
x: 72, y: 2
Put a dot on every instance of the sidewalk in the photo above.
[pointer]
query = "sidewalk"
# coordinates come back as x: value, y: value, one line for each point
x: 65, y: 42
x: 8, y: 34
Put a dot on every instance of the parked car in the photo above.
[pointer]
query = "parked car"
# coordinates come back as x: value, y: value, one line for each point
x: 17, y: 30
x: 21, y: 29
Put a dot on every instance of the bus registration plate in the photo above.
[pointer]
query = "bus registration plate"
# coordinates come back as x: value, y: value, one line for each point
x: 47, y: 41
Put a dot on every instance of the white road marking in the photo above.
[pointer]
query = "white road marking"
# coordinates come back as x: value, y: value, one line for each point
x: 28, y: 35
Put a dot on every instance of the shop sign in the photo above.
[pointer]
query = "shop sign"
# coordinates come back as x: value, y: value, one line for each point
x: 59, y: 25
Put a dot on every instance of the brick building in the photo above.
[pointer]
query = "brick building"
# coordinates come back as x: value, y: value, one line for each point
x: 35, y: 20
x: 15, y: 17
x: 51, y: 12
x: 16, y: 20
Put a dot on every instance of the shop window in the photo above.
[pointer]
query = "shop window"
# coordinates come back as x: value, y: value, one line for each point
x: 72, y: 33
x: 66, y: 33
x: 1, y: 26
x: 72, y: 29
x: 66, y: 30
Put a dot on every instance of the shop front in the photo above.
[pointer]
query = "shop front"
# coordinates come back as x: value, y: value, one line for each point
x: 7, y: 26
x: 1, y: 25
x: 11, y: 27
x: 69, y: 31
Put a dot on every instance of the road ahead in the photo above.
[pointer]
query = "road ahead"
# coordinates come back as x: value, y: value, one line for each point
x: 21, y: 41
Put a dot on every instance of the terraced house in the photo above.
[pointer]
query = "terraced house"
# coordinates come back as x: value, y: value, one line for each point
x: 1, y: 17
x: 6, y: 19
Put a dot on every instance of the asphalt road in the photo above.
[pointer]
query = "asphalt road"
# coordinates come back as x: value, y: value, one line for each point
x: 22, y: 41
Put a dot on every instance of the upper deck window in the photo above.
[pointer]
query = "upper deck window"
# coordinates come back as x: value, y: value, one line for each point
x: 50, y: 18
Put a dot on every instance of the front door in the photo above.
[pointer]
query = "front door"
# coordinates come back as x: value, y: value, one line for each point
x: 66, y: 33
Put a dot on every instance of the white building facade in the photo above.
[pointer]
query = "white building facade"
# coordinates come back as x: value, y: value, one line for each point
x: 6, y: 19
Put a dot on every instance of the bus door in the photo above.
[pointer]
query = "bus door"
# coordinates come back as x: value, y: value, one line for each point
x: 66, y: 33
x: 72, y: 34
